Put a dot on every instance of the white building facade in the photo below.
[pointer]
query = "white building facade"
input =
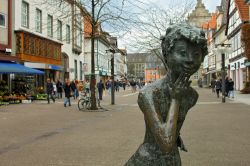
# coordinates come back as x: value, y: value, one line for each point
x: 55, y: 29
x: 236, y: 58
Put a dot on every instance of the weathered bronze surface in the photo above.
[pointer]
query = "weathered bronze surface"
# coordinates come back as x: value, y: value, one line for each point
x: 166, y: 102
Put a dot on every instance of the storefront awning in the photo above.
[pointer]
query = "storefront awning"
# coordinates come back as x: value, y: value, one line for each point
x: 12, y: 68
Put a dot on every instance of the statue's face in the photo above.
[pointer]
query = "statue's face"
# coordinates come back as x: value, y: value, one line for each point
x: 185, y: 57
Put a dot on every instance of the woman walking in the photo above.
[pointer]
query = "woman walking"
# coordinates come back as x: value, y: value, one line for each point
x: 67, y: 90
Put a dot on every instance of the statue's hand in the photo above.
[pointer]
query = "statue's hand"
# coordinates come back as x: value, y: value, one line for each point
x: 180, y: 86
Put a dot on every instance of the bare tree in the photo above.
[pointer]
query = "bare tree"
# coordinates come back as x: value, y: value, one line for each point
x: 116, y: 16
x: 145, y: 34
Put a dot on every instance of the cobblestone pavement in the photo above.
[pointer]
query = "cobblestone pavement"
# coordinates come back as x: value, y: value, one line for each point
x: 41, y: 134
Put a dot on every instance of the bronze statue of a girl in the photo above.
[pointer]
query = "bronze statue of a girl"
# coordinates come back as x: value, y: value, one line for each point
x: 166, y: 102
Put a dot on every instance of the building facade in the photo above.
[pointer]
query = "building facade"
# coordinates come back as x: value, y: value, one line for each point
x: 238, y: 13
x: 136, y: 65
x: 49, y: 38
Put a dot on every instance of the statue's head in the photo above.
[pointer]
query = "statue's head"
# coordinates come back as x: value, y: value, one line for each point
x: 183, y: 48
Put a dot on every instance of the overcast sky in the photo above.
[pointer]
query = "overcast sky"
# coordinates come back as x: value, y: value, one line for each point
x: 209, y: 4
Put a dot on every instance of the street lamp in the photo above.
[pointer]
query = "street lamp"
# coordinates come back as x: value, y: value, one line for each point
x: 221, y: 49
x: 112, y: 76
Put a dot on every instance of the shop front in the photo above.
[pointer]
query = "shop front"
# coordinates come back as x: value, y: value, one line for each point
x: 39, y: 53
x: 16, y: 82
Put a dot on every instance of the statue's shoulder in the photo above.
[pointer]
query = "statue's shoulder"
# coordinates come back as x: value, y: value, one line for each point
x: 157, y: 85
x: 150, y: 89
x: 194, y: 95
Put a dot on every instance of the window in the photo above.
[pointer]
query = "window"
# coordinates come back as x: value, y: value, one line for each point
x: 78, y: 38
x: 25, y: 14
x: 78, y: 32
x: 2, y: 20
x: 38, y: 20
x: 80, y: 70
x: 67, y: 33
x: 50, y: 26
x: 59, y: 30
x: 75, y: 69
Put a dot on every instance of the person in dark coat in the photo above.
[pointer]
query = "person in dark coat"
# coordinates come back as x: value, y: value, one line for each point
x: 213, y: 85
x: 49, y: 88
x: 59, y: 88
x: 100, y: 87
x: 67, y: 90
x: 226, y: 86
x: 218, y: 86
x: 231, y: 88
x: 73, y: 87
x: 124, y: 85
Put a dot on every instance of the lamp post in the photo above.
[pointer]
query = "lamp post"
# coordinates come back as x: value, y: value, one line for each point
x: 112, y: 76
x: 222, y: 49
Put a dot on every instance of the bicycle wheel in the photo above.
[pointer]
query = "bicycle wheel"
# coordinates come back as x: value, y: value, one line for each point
x: 82, y: 104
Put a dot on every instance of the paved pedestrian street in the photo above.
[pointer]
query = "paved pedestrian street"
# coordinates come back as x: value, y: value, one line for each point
x: 41, y: 134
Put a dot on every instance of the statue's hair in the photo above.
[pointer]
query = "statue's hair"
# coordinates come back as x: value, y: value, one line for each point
x: 186, y: 32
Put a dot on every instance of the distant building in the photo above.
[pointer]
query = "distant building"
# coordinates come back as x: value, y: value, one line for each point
x: 136, y: 63
x: 199, y: 15
x: 154, y: 68
x: 197, y: 18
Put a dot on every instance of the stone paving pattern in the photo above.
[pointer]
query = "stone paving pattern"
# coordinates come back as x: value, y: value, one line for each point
x: 40, y: 134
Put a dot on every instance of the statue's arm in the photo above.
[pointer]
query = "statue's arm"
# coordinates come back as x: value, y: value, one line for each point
x: 164, y: 133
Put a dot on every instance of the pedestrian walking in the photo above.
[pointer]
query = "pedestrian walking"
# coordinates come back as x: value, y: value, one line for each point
x: 59, y: 88
x: 49, y: 89
x: 54, y: 90
x: 231, y: 88
x: 74, y: 90
x: 218, y: 87
x: 213, y: 85
x: 117, y: 86
x: 124, y: 85
x: 226, y: 86
x: 200, y: 82
x: 87, y: 86
x: 67, y: 91
x: 133, y: 86
x: 100, y: 87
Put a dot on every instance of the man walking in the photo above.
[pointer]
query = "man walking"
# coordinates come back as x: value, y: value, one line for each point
x: 213, y: 85
x: 218, y: 86
x: 49, y: 88
x: 59, y: 87
x: 100, y: 87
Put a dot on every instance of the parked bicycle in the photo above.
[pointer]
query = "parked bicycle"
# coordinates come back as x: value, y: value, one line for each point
x: 84, y: 102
